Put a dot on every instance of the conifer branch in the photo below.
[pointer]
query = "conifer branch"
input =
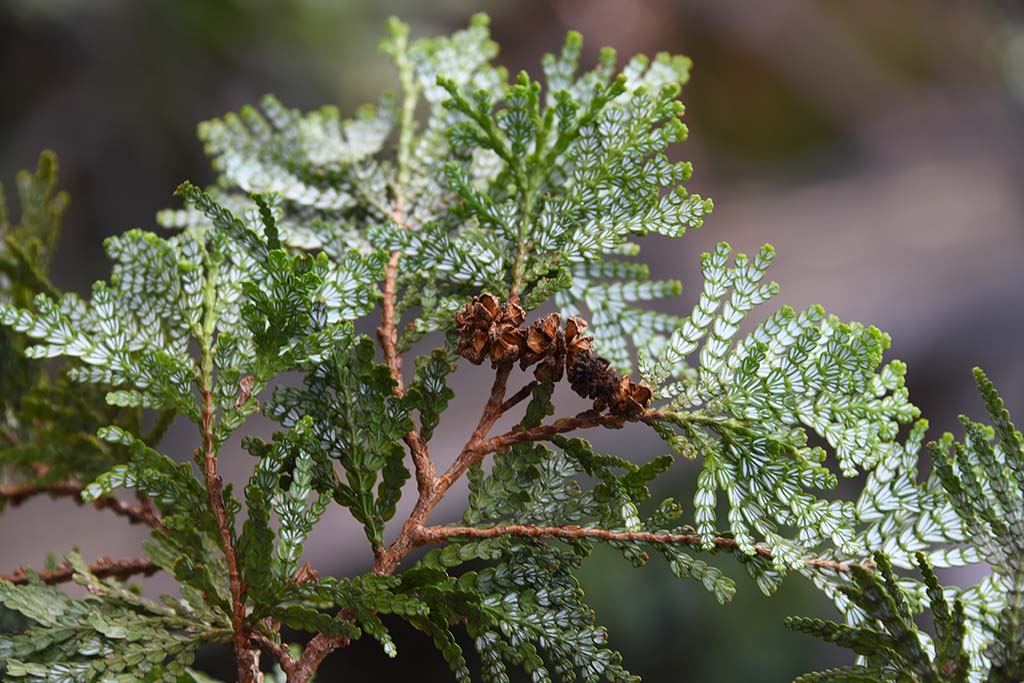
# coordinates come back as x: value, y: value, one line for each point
x: 478, y: 449
x: 103, y: 568
x: 431, y: 535
x: 245, y: 658
x: 248, y: 668
x: 387, y: 335
x: 387, y: 562
x: 534, y: 190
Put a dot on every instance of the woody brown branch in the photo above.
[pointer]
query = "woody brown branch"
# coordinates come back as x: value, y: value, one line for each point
x: 140, y: 513
x: 476, y: 448
x: 281, y: 651
x: 439, y: 534
x: 518, y: 397
x: 387, y: 334
x: 415, y: 533
x: 103, y: 568
x: 245, y: 657
x: 492, y: 411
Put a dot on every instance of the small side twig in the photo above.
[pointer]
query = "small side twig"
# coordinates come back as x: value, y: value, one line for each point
x: 387, y: 334
x: 142, y: 513
x: 244, y: 657
x: 280, y: 650
x: 518, y: 397
x: 103, y: 568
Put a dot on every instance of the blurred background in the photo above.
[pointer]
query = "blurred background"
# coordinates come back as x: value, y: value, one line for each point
x: 876, y: 144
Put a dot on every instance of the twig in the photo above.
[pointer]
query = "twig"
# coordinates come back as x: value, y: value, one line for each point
x: 246, y: 658
x: 141, y: 513
x: 518, y: 397
x: 477, y: 448
x: 387, y: 334
x: 389, y: 560
x: 439, y: 534
x: 315, y: 651
x: 279, y: 650
x: 248, y: 669
x: 103, y: 568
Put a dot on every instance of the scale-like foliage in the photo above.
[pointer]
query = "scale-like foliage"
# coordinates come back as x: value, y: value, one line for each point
x: 533, y: 485
x: 165, y: 294
x: 985, y: 484
x: 28, y: 245
x: 891, y: 645
x: 901, y: 515
x: 350, y: 407
x: 49, y: 425
x: 746, y: 408
x: 112, y: 635
x: 967, y: 511
x: 525, y: 608
x: 546, y: 187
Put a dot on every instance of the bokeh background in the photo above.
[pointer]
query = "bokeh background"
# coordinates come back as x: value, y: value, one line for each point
x: 876, y: 144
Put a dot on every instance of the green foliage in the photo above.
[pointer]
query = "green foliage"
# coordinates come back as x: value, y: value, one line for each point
x: 275, y: 488
x: 28, y: 244
x: 349, y: 405
x: 891, y: 645
x: 536, y: 486
x: 985, y: 484
x: 747, y: 406
x: 967, y: 511
x: 429, y: 392
x: 49, y: 428
x: 524, y: 609
x: 463, y: 184
x: 112, y: 634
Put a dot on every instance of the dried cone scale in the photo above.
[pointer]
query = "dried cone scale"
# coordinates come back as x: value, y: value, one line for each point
x: 632, y: 399
x: 545, y: 344
x: 576, y: 343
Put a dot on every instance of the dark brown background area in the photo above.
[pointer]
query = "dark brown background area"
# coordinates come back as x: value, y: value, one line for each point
x: 876, y: 144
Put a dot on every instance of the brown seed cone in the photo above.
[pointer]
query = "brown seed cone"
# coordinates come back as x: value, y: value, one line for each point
x: 545, y: 344
x: 632, y: 399
x: 478, y: 314
x: 489, y: 327
x: 552, y: 367
x: 593, y: 377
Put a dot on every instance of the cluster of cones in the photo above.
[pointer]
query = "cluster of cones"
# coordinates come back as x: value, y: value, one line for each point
x: 491, y: 328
